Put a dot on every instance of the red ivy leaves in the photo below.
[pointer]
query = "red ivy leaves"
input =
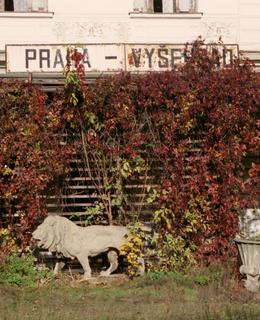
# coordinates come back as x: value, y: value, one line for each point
x: 199, y: 122
x: 30, y: 156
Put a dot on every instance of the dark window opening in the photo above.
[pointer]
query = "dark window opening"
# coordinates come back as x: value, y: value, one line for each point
x: 157, y: 6
x: 9, y: 5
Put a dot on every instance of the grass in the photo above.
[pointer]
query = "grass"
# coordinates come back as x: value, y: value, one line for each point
x: 208, y: 294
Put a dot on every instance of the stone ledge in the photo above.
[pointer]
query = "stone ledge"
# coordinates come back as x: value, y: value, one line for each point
x: 103, y: 281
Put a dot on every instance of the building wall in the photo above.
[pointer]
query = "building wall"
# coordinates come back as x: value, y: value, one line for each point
x: 109, y: 21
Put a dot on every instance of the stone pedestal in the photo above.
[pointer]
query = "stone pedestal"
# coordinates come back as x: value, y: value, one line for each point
x: 249, y: 252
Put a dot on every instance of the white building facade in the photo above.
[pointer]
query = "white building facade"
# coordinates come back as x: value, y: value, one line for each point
x: 35, y: 33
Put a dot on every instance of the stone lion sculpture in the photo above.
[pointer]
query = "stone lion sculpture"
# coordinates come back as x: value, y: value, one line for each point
x: 59, y: 234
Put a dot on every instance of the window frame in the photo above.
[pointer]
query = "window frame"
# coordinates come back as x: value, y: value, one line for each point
x: 193, y: 8
x: 29, y: 4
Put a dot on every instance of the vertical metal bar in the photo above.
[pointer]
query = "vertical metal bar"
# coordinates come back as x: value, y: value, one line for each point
x: 29, y: 77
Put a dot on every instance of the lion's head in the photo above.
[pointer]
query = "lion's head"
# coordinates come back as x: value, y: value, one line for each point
x: 50, y: 234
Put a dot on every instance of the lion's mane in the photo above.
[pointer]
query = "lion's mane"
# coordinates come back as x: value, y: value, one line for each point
x: 52, y: 232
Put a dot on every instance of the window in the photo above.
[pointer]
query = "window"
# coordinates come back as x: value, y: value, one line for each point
x: 23, y: 5
x: 157, y: 6
x: 165, y: 6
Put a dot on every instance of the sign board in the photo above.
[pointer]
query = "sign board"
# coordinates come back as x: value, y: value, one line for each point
x: 52, y: 58
x: 162, y: 57
x: 104, y: 57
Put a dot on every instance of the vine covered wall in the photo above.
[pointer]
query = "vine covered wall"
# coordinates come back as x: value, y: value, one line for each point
x: 193, y: 127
